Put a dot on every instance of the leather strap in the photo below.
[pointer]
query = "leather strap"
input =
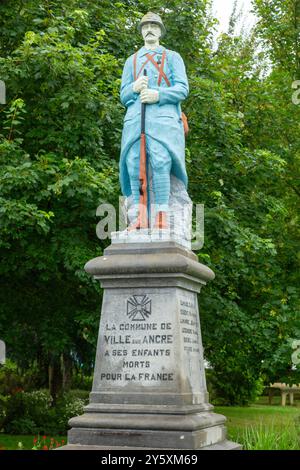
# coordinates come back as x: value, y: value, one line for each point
x: 162, y: 75
x: 160, y: 68
x: 149, y: 57
x: 161, y: 72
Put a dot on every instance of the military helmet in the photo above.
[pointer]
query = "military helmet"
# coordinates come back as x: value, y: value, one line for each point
x: 152, y: 18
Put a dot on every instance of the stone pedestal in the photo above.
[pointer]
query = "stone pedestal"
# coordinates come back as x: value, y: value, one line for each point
x: 149, y: 389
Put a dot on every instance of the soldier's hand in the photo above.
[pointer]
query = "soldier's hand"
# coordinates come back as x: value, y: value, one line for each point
x: 149, y: 96
x: 140, y: 84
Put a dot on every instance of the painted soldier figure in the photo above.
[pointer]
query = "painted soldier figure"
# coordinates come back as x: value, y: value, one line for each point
x: 156, y: 77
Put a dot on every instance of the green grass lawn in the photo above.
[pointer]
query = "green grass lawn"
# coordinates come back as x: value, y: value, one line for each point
x: 261, y: 426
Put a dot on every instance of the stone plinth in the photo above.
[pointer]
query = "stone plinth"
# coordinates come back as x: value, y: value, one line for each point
x: 149, y: 389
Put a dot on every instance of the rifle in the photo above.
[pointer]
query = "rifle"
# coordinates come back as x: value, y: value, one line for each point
x: 143, y: 212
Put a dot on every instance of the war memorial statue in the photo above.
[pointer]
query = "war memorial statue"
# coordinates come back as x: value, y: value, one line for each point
x: 149, y: 388
x: 154, y: 83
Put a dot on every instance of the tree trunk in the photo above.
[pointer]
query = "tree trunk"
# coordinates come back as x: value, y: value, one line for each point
x: 67, y: 364
x: 55, y: 379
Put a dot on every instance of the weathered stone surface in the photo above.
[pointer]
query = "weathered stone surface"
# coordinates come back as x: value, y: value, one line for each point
x: 134, y: 262
x: 224, y: 445
x: 149, y: 388
x: 143, y: 339
x: 179, y: 218
x: 155, y: 439
x: 2, y: 352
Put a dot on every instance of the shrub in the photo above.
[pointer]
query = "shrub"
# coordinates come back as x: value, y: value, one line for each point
x: 67, y: 409
x: 10, y: 380
x: 83, y: 394
x: 83, y: 382
x: 32, y: 413
x: 29, y: 409
x: 13, y: 379
x: 21, y: 426
x: 3, y: 405
x: 242, y: 388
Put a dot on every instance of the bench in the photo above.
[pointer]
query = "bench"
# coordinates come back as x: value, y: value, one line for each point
x: 285, y: 390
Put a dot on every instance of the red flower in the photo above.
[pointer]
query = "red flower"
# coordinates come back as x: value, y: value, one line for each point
x: 44, y: 437
x: 34, y: 440
x: 62, y: 441
x: 45, y: 448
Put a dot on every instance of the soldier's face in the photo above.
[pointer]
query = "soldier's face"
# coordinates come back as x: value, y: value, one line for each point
x: 151, y: 32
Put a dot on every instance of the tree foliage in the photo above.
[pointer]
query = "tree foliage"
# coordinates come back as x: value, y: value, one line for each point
x: 60, y: 138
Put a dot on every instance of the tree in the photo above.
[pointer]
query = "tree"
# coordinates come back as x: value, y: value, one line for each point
x: 59, y: 150
x: 56, y: 167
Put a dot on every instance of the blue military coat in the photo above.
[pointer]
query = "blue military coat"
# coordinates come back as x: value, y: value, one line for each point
x: 163, y: 119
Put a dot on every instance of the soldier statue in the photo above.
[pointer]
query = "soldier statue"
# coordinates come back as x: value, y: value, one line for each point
x: 154, y: 83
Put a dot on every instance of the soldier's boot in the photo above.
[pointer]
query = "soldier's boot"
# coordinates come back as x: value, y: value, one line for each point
x: 141, y: 222
x: 161, y: 220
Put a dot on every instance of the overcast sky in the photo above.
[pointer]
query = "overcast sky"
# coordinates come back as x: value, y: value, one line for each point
x: 222, y: 10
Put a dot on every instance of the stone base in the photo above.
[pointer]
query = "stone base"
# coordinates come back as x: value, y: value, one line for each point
x: 150, y: 236
x: 158, y: 431
x: 140, y: 431
x: 224, y: 445
x: 149, y: 389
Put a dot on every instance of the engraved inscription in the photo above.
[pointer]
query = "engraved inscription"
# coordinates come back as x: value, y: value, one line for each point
x: 134, y: 349
x: 189, y: 325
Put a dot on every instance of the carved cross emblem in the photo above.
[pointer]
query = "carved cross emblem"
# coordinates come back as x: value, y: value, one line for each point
x: 138, y: 307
